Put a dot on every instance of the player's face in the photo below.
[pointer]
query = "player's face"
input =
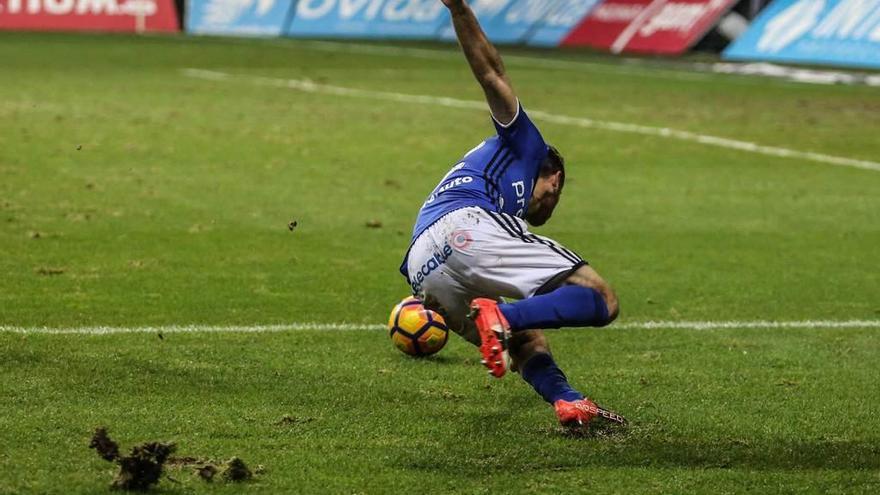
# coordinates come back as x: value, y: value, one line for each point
x: 544, y: 199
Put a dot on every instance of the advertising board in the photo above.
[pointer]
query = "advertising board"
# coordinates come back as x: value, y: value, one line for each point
x: 559, y: 21
x: 648, y: 26
x: 508, y: 21
x: 89, y: 15
x: 238, y: 17
x: 835, y: 32
x: 369, y: 18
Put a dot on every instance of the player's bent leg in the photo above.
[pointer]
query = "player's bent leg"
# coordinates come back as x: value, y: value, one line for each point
x: 571, y: 305
x: 586, y: 276
x: 586, y: 300
x: 523, y: 345
x: 531, y: 357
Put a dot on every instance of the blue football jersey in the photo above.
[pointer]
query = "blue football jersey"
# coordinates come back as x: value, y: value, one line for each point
x: 499, y: 174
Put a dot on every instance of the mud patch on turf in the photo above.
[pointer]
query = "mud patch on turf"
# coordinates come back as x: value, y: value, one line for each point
x: 199, y: 228
x: 46, y: 271
x: 104, y: 445
x: 140, y: 469
x: 596, y: 430
x: 234, y: 470
x: 144, y: 465
x: 288, y: 420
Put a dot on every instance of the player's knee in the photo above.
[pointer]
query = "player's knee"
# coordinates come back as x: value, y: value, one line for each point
x: 604, y: 296
x: 588, y: 278
x: 612, y: 304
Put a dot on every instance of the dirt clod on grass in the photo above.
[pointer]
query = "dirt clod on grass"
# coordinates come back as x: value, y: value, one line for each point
x: 104, y: 445
x: 207, y: 472
x: 140, y: 469
x: 232, y: 471
x: 374, y: 224
x: 288, y: 420
x: 47, y: 271
x: 236, y: 470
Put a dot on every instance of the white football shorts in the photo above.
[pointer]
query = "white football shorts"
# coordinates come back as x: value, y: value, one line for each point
x: 472, y: 252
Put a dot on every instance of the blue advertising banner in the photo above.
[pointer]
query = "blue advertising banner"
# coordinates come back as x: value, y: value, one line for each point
x: 508, y: 21
x: 835, y: 32
x: 559, y: 21
x: 369, y: 18
x: 238, y: 17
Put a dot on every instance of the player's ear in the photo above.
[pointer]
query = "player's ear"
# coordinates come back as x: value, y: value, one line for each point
x: 557, y: 181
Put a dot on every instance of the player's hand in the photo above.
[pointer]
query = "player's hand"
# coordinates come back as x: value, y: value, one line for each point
x: 454, y: 4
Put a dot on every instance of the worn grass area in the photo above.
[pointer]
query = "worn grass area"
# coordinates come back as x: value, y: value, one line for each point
x: 712, y: 412
x: 132, y: 195
x: 720, y: 411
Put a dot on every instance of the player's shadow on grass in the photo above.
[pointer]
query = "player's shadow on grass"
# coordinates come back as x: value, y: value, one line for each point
x: 629, y: 447
x: 771, y: 455
x: 765, y: 454
x: 433, y: 359
x: 643, y: 447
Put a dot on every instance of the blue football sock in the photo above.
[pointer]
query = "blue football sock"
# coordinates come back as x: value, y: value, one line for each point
x: 567, y: 306
x: 541, y: 372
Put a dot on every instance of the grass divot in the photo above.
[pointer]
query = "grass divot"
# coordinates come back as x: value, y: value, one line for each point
x: 143, y: 467
x: 139, y: 470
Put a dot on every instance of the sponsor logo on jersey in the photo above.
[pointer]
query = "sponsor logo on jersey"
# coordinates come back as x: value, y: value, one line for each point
x: 436, y: 261
x: 449, y: 185
x: 460, y: 239
x: 519, y: 187
x: 455, y: 182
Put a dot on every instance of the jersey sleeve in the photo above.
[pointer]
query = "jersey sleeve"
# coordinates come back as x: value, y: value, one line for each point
x: 522, y: 136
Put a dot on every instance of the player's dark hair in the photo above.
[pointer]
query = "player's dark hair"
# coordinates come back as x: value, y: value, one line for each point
x: 552, y: 164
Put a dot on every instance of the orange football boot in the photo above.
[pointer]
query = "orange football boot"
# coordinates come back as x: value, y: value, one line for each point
x: 581, y: 412
x: 494, y: 333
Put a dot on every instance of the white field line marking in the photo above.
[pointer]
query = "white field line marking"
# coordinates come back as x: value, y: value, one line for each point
x: 757, y: 324
x: 635, y: 67
x: 663, y: 132
x: 103, y: 330
x: 297, y: 327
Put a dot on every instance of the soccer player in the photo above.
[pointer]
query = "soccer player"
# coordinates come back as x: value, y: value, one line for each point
x: 471, y: 244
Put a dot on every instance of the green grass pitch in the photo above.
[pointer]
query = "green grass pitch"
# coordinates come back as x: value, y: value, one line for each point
x: 132, y: 195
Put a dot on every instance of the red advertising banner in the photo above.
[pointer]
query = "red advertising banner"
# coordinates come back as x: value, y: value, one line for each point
x: 89, y: 15
x: 648, y: 26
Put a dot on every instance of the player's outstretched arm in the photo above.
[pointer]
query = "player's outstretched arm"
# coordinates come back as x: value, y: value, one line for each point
x: 484, y: 60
